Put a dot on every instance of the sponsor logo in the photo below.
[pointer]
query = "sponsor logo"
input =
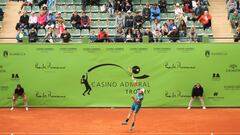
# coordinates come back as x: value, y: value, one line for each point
x: 176, y: 94
x: 47, y: 94
x: 233, y: 68
x: 231, y: 87
x: 3, y: 88
x: 48, y: 66
x: 15, y: 77
x: 178, y: 65
x: 2, y: 70
x: 216, y: 96
x: 209, y: 53
x: 5, y: 53
x: 132, y: 72
x: 216, y: 76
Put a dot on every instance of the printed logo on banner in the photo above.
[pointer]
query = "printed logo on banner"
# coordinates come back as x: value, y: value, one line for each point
x: 215, y: 96
x: 48, y: 66
x: 232, y: 87
x: 2, y: 69
x: 176, y: 94
x: 5, y: 54
x: 233, y: 68
x: 47, y: 94
x: 4, y: 87
x: 134, y: 71
x: 178, y: 65
x: 216, y: 76
x: 209, y: 53
x: 15, y: 77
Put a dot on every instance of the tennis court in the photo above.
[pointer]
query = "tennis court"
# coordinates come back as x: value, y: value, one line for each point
x: 107, y: 121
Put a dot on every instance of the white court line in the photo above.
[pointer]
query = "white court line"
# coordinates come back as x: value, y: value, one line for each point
x: 132, y: 133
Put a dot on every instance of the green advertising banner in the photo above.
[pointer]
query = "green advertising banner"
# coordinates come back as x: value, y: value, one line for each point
x: 51, y: 75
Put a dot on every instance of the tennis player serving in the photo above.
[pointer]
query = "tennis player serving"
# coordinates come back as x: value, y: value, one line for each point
x: 137, y: 103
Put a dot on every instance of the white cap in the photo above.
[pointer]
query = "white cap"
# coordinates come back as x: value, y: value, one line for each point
x: 129, y: 11
x: 177, y: 4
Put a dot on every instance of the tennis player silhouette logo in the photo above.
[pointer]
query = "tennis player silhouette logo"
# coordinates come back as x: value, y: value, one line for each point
x: 84, y: 80
x: 134, y: 70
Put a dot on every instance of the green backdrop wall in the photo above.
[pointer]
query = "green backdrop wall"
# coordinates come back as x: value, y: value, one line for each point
x: 51, y: 75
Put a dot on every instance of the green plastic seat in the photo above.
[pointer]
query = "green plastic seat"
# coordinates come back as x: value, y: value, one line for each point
x: 78, y: 2
x: 68, y: 24
x: 103, y: 16
x: 41, y: 32
x: 35, y: 9
x: 75, y: 32
x: 171, y: 15
x: 147, y: 24
x: 94, y: 24
x: 61, y: 2
x: 103, y: 24
x: 94, y: 9
x: 60, y: 8
x: 28, y: 9
x: 3, y: 2
x: 94, y: 16
x: 69, y: 2
x: 70, y: 9
x: 111, y: 32
x: 164, y: 16
x: 111, y: 24
x: 84, y: 32
x: 190, y: 24
x: 143, y: 2
x: 171, y: 8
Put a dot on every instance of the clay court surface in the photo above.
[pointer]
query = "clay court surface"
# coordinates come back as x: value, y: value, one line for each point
x: 101, y: 121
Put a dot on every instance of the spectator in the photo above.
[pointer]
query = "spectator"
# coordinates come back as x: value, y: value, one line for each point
x: 119, y: 6
x: 174, y: 35
x: 66, y: 36
x: 138, y: 36
x: 157, y: 36
x: 237, y: 35
x: 41, y: 3
x: 146, y: 13
x: 162, y: 4
x: 182, y: 28
x: 194, y: 5
x: 44, y: 9
x: 171, y: 25
x: 75, y: 20
x: 128, y: 6
x: 187, y: 6
x: 155, y: 12
x: 24, y: 19
x: 178, y: 13
x: 33, y: 35
x: 235, y: 19
x: 194, y: 17
x: 110, y: 7
x: 85, y: 22
x: 32, y: 20
x: 92, y: 36
x: 138, y: 21
x: 129, y: 35
x: 198, y: 10
x: 156, y: 26
x: 149, y: 34
x: 103, y: 36
x: 164, y: 29
x: 231, y: 6
x: 58, y: 17
x: 193, y: 37
x: 120, y: 35
x: 205, y: 19
x: 50, y: 21
x: 60, y: 28
x: 204, y: 2
x: 238, y: 6
x: 119, y: 21
x: 1, y: 14
x: 27, y: 3
x: 20, y: 35
x: 41, y: 19
x: 50, y: 37
x: 129, y: 20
